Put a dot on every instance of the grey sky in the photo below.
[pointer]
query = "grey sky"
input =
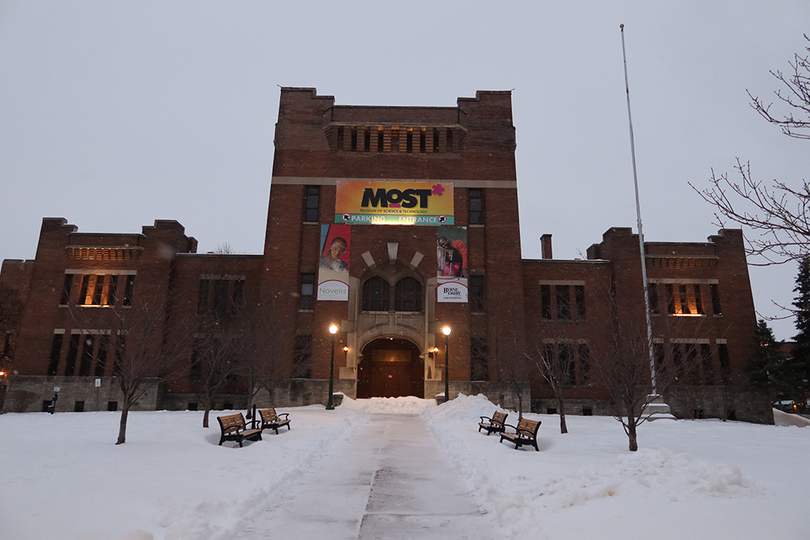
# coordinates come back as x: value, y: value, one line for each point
x: 114, y: 114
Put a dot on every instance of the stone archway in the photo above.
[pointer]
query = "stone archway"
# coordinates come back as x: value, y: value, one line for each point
x: 390, y: 367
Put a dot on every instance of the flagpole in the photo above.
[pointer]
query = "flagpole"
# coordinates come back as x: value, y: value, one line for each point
x: 640, y: 231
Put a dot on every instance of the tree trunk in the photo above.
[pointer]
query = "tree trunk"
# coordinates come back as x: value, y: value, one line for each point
x: 563, y: 426
x: 122, y: 426
x: 205, y: 415
x: 631, y: 434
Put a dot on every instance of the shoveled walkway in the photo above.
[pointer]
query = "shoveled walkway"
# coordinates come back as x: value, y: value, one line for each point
x: 391, y: 481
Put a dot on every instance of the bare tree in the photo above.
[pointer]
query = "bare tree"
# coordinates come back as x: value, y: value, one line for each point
x: 555, y: 362
x: 777, y: 213
x: 513, y: 367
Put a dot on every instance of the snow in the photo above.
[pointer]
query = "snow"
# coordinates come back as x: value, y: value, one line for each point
x: 65, y: 478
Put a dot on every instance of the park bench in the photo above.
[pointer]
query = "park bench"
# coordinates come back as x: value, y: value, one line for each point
x: 494, y: 424
x: 234, y: 429
x: 271, y: 420
x: 525, y: 433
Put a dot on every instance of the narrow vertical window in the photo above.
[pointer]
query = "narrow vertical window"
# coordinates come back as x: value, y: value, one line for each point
x: 101, y: 355
x: 725, y: 362
x: 120, y: 353
x: 73, y: 352
x: 476, y: 202
x: 563, y: 302
x: 670, y: 299
x: 302, y: 357
x: 422, y: 140
x: 87, y: 355
x: 56, y: 351
x: 652, y: 296
x: 129, y: 290
x: 66, y: 286
x: 579, y: 299
x: 476, y: 294
x: 340, y: 138
x: 354, y: 139
x: 566, y: 364
x: 367, y: 140
x: 479, y: 359
x: 409, y: 141
x: 380, y: 139
x: 98, y: 289
x: 684, y: 303
x: 698, y: 300
x: 708, y: 370
x: 449, y: 140
x: 238, y: 292
x: 111, y: 292
x: 312, y: 202
x: 221, y: 297
x: 202, y: 296
x: 584, y: 363
x: 545, y: 301
x: 83, y: 290
x: 715, y: 292
x: 307, y: 299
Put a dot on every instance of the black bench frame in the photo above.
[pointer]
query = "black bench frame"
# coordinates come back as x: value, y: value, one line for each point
x: 273, y: 420
x: 494, y: 424
x: 233, y: 428
x: 525, y: 433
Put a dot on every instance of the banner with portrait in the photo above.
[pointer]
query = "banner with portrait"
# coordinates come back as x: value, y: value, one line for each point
x: 451, y: 262
x: 333, y: 263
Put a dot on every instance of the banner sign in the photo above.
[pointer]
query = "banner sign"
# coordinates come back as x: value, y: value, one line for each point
x: 333, y: 265
x: 372, y: 202
x: 451, y: 259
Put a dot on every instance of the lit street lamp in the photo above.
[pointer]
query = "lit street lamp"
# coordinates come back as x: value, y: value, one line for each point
x: 329, y: 406
x: 446, y: 332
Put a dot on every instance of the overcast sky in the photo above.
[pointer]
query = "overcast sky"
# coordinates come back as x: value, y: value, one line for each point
x: 114, y: 114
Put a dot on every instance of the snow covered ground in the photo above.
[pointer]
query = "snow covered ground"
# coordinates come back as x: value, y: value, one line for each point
x: 65, y: 479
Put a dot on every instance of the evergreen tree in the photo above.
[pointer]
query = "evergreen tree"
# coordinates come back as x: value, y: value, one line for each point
x: 766, y: 371
x: 798, y: 366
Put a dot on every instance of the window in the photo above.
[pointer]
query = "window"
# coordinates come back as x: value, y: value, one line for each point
x: 101, y: 355
x: 708, y: 370
x: 220, y: 297
x: 120, y: 352
x: 87, y: 355
x: 579, y: 300
x: 725, y: 363
x: 449, y: 139
x: 380, y: 138
x: 545, y: 301
x: 339, y: 139
x: 73, y: 352
x: 78, y: 406
x: 129, y: 290
x: 409, y: 141
x: 422, y: 141
x: 566, y: 359
x: 376, y: 295
x: 354, y: 139
x: 112, y: 406
x: 479, y: 359
x: 715, y: 299
x: 307, y: 299
x: 408, y: 295
x: 476, y: 202
x: 56, y: 350
x: 584, y: 363
x: 312, y: 202
x: 476, y: 294
x: 302, y: 356
x: 563, y: 302
x: 435, y: 140
x: 684, y: 300
x: 367, y: 140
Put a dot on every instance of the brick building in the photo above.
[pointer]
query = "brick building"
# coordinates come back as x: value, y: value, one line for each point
x: 390, y: 223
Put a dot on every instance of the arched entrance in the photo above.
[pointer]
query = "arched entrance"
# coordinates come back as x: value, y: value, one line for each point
x: 390, y: 368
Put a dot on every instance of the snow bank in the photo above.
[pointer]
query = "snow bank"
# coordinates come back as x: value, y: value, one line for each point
x: 400, y: 405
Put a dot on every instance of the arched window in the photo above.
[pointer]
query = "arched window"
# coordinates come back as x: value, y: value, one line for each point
x: 408, y: 295
x: 376, y: 295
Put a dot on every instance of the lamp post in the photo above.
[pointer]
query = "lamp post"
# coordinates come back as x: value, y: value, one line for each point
x: 329, y: 405
x: 446, y: 332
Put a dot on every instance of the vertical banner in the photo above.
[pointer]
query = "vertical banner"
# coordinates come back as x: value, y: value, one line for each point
x: 333, y: 265
x: 451, y: 259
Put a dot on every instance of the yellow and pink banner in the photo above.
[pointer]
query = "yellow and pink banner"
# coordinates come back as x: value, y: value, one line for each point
x: 371, y: 202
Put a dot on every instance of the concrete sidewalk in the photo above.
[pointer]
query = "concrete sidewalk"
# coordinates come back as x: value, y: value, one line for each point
x: 391, y: 481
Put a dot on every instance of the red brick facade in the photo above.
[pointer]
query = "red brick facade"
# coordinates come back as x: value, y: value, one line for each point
x: 516, y: 308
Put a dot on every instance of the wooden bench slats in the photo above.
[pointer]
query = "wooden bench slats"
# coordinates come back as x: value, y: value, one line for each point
x: 233, y: 428
x: 494, y: 424
x: 272, y: 420
x: 525, y: 433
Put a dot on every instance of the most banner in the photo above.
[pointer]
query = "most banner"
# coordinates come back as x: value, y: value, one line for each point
x: 361, y: 202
